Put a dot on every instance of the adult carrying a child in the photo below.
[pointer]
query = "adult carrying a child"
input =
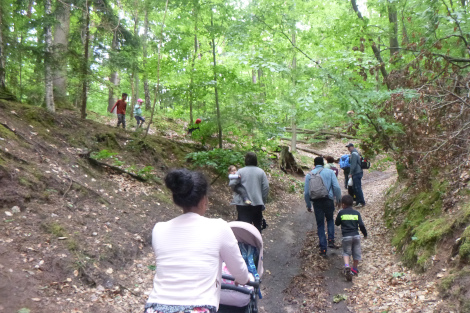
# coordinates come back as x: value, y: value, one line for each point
x: 256, y: 184
x: 189, y: 251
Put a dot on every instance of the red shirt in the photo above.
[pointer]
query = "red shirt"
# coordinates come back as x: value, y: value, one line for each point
x: 121, y: 106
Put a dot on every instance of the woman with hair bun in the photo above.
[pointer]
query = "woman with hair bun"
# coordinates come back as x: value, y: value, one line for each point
x: 189, y: 251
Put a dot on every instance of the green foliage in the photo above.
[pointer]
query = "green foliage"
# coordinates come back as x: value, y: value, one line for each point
x: 103, y: 154
x: 55, y: 229
x: 217, y: 159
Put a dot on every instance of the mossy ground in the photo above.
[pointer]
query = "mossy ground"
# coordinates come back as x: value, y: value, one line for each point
x: 424, y: 224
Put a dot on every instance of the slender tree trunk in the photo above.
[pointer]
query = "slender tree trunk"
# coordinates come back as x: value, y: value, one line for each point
x: 2, y: 52
x: 114, y: 78
x: 144, y: 61
x: 85, y: 60
x: 135, y: 73
x: 193, y: 64
x: 61, y: 34
x: 294, y: 122
x: 48, y: 58
x: 392, y: 18
x: 403, y: 26
x: 375, y: 50
x: 219, y: 124
x: 157, y: 88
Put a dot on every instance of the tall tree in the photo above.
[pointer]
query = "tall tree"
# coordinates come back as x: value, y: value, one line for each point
x: 144, y: 59
x: 85, y: 61
x: 2, y: 51
x: 61, y: 34
x: 393, y: 19
x: 193, y: 62
x: 374, y: 47
x: 114, y: 77
x: 48, y: 57
x: 294, y: 122
x: 219, y: 123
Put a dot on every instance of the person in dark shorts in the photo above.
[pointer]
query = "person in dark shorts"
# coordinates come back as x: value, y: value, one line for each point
x: 121, y: 105
x: 236, y: 184
x: 350, y: 220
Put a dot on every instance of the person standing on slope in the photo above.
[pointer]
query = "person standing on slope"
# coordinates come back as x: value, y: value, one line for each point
x: 356, y: 173
x: 322, y: 189
x: 257, y: 186
x: 120, y: 106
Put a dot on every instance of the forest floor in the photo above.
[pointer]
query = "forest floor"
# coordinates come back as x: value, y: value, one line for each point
x: 79, y: 240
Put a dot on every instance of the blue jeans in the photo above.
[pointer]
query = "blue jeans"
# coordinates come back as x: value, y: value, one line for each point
x: 324, y: 208
x: 357, y: 178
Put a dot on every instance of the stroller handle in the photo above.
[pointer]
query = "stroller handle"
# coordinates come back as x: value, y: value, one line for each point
x: 250, y: 283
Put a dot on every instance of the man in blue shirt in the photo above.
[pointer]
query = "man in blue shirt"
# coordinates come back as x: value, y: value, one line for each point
x: 324, y: 207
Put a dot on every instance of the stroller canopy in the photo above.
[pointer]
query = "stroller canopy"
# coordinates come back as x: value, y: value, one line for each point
x: 247, y: 233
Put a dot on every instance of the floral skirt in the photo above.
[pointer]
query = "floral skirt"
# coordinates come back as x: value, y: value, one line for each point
x: 163, y: 308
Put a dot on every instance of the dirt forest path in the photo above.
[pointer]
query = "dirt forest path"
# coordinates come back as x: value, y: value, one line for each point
x: 384, y: 284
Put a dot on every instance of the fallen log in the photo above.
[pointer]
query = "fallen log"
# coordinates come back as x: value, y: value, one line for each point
x: 298, y: 140
x: 311, y: 151
x: 323, y: 132
x: 114, y: 168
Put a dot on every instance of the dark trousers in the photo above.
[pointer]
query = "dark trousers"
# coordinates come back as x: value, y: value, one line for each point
x: 241, y: 190
x: 357, y: 184
x: 324, y: 208
x: 251, y: 214
x: 346, y: 176
x: 121, y: 120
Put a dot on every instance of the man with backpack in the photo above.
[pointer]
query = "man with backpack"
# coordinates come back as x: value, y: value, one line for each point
x: 356, y: 174
x: 322, y: 189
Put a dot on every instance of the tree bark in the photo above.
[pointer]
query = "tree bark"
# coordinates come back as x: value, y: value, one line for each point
x: 193, y: 64
x: 294, y: 122
x: 61, y: 35
x: 374, y: 47
x: 157, y: 88
x: 2, y: 52
x: 114, y: 78
x: 392, y: 18
x: 85, y: 60
x: 144, y: 61
x: 219, y: 124
x: 135, y: 73
x: 48, y: 58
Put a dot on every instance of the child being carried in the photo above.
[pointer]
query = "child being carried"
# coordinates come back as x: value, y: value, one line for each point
x: 236, y: 185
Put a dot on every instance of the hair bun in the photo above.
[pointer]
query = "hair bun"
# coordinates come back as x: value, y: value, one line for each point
x: 180, y: 182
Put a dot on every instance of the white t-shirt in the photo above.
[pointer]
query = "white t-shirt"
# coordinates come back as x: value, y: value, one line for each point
x: 189, y: 251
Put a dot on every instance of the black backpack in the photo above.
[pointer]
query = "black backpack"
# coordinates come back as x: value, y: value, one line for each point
x: 365, y: 164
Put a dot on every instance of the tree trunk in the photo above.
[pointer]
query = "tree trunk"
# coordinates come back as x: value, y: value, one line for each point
x: 61, y: 34
x: 2, y: 52
x: 219, y: 124
x: 193, y: 64
x: 48, y: 58
x: 403, y: 26
x: 294, y: 123
x: 144, y: 61
x: 114, y: 78
x: 392, y: 18
x: 135, y: 73
x: 85, y: 60
x: 158, y: 72
x: 374, y: 47
x: 287, y: 162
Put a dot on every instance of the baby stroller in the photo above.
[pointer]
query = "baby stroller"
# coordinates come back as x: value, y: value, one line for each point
x: 244, y: 299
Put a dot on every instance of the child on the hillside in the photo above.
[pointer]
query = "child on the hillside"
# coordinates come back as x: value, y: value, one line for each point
x: 121, y: 105
x: 138, y: 113
x: 350, y: 220
x: 236, y: 184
